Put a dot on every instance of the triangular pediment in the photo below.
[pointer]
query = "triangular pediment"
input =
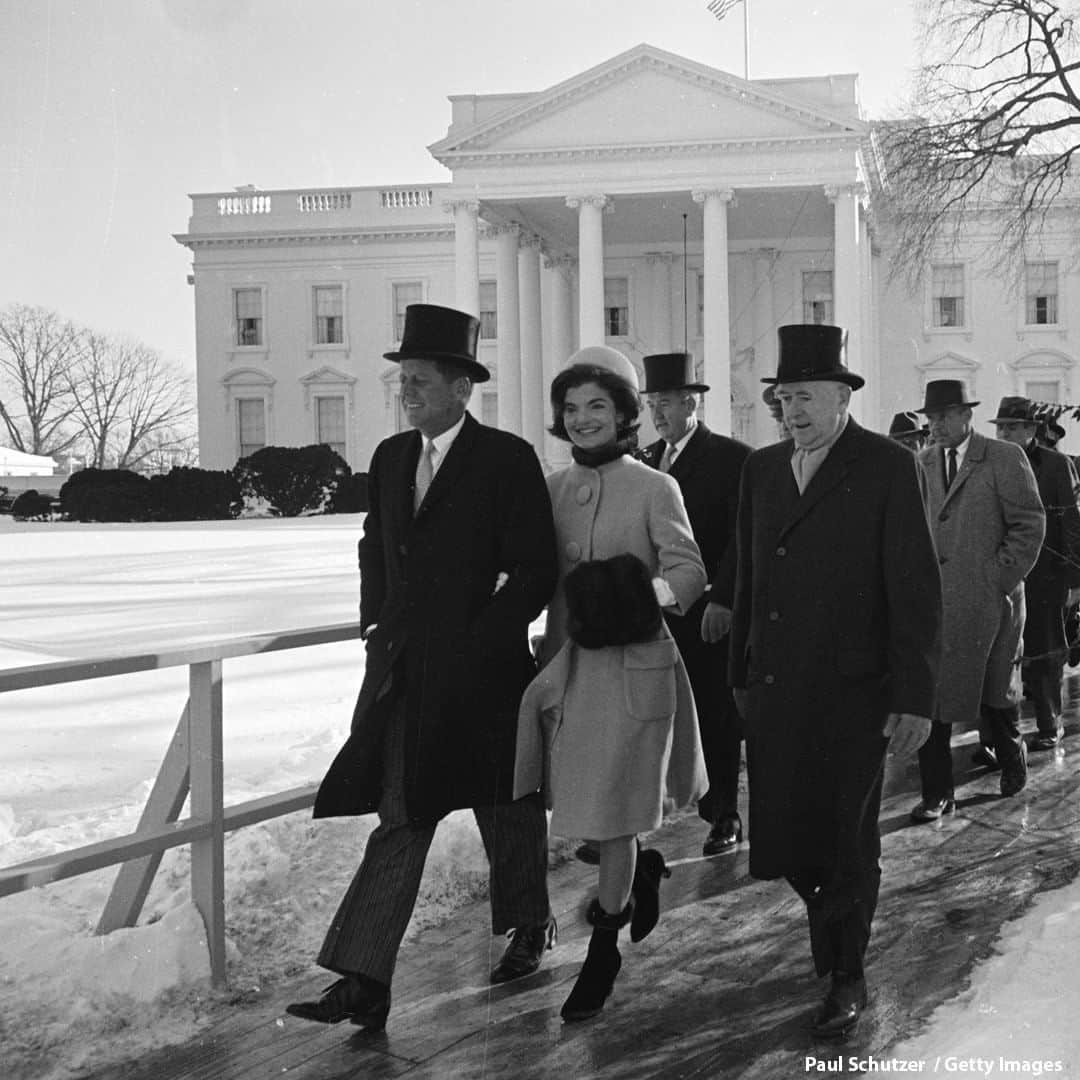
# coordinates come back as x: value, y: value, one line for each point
x: 647, y: 97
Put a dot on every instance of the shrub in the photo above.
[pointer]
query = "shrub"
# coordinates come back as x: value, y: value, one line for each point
x: 31, y: 505
x: 105, y: 495
x: 351, y: 495
x: 184, y: 494
x: 294, y: 480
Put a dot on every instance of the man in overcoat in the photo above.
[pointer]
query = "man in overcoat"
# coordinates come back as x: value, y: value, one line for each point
x: 457, y: 558
x: 835, y: 641
x: 908, y: 430
x: 707, y: 468
x: 1054, y: 581
x: 988, y: 523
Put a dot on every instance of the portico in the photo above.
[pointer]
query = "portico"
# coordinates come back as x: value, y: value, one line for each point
x: 671, y: 205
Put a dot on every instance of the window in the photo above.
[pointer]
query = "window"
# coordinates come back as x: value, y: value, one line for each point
x: 1041, y: 294
x: 249, y: 317
x: 329, y: 317
x: 489, y: 408
x: 616, y: 307
x: 489, y: 319
x: 947, y: 295
x: 250, y: 425
x: 1043, y: 390
x: 817, y: 296
x: 330, y: 423
x: 405, y: 293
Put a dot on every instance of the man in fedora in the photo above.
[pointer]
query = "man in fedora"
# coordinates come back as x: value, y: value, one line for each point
x: 908, y: 430
x: 1054, y: 581
x: 707, y: 468
x: 834, y: 650
x: 457, y: 558
x: 988, y: 523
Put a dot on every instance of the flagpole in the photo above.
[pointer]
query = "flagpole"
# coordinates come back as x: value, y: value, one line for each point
x: 746, y: 39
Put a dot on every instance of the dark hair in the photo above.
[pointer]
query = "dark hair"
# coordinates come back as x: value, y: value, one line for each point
x: 626, y: 399
x: 611, y: 602
x: 451, y: 369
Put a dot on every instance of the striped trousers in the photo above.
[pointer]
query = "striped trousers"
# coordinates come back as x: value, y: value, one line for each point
x: 366, y: 932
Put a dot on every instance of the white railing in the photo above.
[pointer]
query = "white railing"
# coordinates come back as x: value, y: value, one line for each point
x: 321, y: 202
x: 406, y: 198
x: 231, y: 205
x: 192, y: 764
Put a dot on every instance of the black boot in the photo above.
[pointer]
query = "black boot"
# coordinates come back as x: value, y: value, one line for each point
x: 645, y: 890
x: 602, y: 963
x: 1009, y: 746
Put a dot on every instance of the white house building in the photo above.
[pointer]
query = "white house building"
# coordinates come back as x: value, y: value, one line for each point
x: 652, y: 203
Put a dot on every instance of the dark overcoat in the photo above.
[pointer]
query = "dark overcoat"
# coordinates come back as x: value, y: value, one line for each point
x: 1057, y: 568
x: 707, y: 471
x: 836, y: 624
x: 455, y: 643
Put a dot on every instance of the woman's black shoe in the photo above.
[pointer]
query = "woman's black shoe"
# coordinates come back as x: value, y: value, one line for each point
x: 602, y: 963
x: 646, y: 892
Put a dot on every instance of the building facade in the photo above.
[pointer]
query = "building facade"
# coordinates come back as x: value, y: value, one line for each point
x: 652, y: 203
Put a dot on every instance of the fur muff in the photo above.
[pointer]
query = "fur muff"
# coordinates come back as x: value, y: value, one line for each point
x: 611, y: 602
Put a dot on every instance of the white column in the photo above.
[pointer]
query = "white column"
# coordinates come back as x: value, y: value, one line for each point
x: 765, y: 340
x: 590, y: 210
x: 661, y: 334
x: 847, y: 301
x: 466, y: 254
x: 868, y: 329
x: 560, y: 345
x: 717, y: 319
x: 532, y: 374
x: 508, y: 316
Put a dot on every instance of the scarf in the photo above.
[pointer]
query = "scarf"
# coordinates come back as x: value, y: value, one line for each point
x: 593, y: 459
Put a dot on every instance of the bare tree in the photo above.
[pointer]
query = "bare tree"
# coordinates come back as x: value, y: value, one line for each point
x: 129, y: 402
x: 997, y: 123
x: 38, y: 350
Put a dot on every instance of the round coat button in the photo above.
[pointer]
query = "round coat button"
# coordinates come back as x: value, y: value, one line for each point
x: 770, y: 679
x: 774, y: 616
x: 584, y: 494
x: 781, y: 551
x: 573, y: 551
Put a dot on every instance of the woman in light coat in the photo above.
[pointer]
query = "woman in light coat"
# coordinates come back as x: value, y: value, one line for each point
x: 608, y: 504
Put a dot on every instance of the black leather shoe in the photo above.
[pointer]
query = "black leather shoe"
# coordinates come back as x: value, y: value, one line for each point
x: 724, y: 835
x: 1014, y: 773
x: 363, y: 1001
x: 1046, y: 740
x: 842, y: 1008
x: 986, y: 757
x: 525, y: 950
x: 924, y: 811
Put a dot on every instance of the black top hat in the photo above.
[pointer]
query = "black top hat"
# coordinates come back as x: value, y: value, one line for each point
x: 906, y: 423
x: 670, y: 371
x: 943, y: 394
x: 1015, y: 410
x: 813, y: 352
x: 441, y: 333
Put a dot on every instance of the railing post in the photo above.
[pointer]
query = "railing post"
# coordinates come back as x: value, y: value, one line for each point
x: 207, y: 793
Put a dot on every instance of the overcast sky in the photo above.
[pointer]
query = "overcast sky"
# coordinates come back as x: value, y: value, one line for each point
x: 113, y: 111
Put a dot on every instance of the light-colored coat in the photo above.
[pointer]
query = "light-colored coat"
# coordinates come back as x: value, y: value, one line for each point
x: 623, y: 506
x: 987, y: 530
x: 610, y: 736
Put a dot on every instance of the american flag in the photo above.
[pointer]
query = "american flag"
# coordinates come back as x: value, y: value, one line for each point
x: 720, y: 8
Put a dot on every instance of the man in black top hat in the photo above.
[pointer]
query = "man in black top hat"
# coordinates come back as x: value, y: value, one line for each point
x: 1053, y: 583
x: 834, y: 650
x: 987, y: 522
x: 908, y: 430
x: 707, y: 468
x: 457, y: 558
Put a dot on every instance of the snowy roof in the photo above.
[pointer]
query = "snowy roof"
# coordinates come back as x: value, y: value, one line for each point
x: 9, y: 458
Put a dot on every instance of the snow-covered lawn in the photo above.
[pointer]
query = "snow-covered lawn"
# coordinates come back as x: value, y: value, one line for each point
x: 77, y: 761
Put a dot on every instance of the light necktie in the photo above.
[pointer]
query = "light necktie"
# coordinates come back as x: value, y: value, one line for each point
x: 950, y: 472
x: 425, y: 471
x: 804, y: 463
x: 667, y: 457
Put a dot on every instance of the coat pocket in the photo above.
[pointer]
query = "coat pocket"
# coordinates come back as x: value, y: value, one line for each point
x: 649, y: 679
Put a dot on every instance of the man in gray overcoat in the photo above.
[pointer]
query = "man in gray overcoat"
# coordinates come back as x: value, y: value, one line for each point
x: 988, y: 525
x: 835, y: 642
